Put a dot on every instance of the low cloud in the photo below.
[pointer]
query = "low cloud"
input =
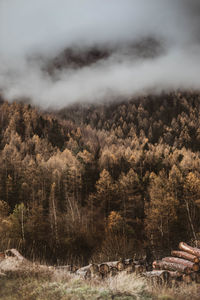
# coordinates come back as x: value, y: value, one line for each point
x: 153, y: 46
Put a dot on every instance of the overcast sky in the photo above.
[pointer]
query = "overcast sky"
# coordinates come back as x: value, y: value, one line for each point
x: 34, y: 31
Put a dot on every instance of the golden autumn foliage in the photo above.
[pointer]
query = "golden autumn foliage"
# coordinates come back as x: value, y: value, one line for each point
x: 111, y: 178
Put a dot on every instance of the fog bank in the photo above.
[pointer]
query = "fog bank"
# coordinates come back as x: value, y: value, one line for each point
x: 34, y: 33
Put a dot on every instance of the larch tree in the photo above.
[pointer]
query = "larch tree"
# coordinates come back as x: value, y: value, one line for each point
x: 160, y: 211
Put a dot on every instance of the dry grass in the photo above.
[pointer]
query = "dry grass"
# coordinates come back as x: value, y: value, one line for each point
x: 128, y: 284
x: 60, y: 286
x: 180, y: 292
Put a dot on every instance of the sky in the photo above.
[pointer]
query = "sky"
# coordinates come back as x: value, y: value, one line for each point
x: 34, y: 32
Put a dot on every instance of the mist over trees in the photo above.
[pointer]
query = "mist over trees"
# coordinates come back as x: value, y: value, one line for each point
x: 97, y: 182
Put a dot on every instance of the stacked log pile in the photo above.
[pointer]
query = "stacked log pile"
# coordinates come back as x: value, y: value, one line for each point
x: 182, y: 265
x: 107, y: 269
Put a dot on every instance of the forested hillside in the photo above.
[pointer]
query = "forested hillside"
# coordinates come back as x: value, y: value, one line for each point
x: 100, y: 181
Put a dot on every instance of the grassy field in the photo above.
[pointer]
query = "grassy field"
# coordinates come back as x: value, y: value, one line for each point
x: 65, y: 287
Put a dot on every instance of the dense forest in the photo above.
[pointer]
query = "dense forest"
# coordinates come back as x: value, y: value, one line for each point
x: 96, y: 182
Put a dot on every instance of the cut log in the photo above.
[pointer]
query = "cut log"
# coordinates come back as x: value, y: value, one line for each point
x: 187, y: 263
x: 169, y: 266
x: 94, y: 269
x: 174, y: 278
x: 115, y: 264
x: 154, y: 277
x: 175, y: 275
x: 120, y: 266
x: 128, y: 261
x: 104, y: 268
x: 113, y: 271
x: 155, y: 265
x: 67, y: 268
x: 98, y: 276
x: 130, y: 269
x: 187, y: 278
x: 84, y: 274
x: 189, y: 249
x: 185, y: 255
x: 2, y: 274
x: 2, y: 255
x: 14, y: 253
x: 74, y: 269
x: 195, y: 277
x: 163, y: 275
x: 139, y: 269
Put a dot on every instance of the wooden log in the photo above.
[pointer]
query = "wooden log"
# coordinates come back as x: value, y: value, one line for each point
x: 156, y: 280
x: 139, y: 262
x: 156, y: 265
x: 174, y: 278
x: 128, y: 261
x: 187, y: 278
x: 67, y: 268
x: 98, y: 276
x: 189, y: 249
x: 175, y: 275
x: 185, y: 255
x: 187, y: 263
x: 84, y: 273
x: 104, y: 268
x: 154, y: 277
x: 139, y: 269
x: 130, y: 269
x: 14, y: 253
x: 163, y: 275
x: 2, y: 274
x: 169, y: 266
x: 94, y: 268
x: 2, y: 256
x: 115, y: 264
x: 120, y: 266
x: 113, y: 271
x: 195, y: 277
x: 74, y: 269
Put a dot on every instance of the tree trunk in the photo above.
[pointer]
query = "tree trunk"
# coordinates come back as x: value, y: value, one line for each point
x: 190, y: 220
x: 189, y: 249
x: 185, y: 255
x: 187, y: 263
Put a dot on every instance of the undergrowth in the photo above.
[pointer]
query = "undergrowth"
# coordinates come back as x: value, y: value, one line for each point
x: 65, y: 287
